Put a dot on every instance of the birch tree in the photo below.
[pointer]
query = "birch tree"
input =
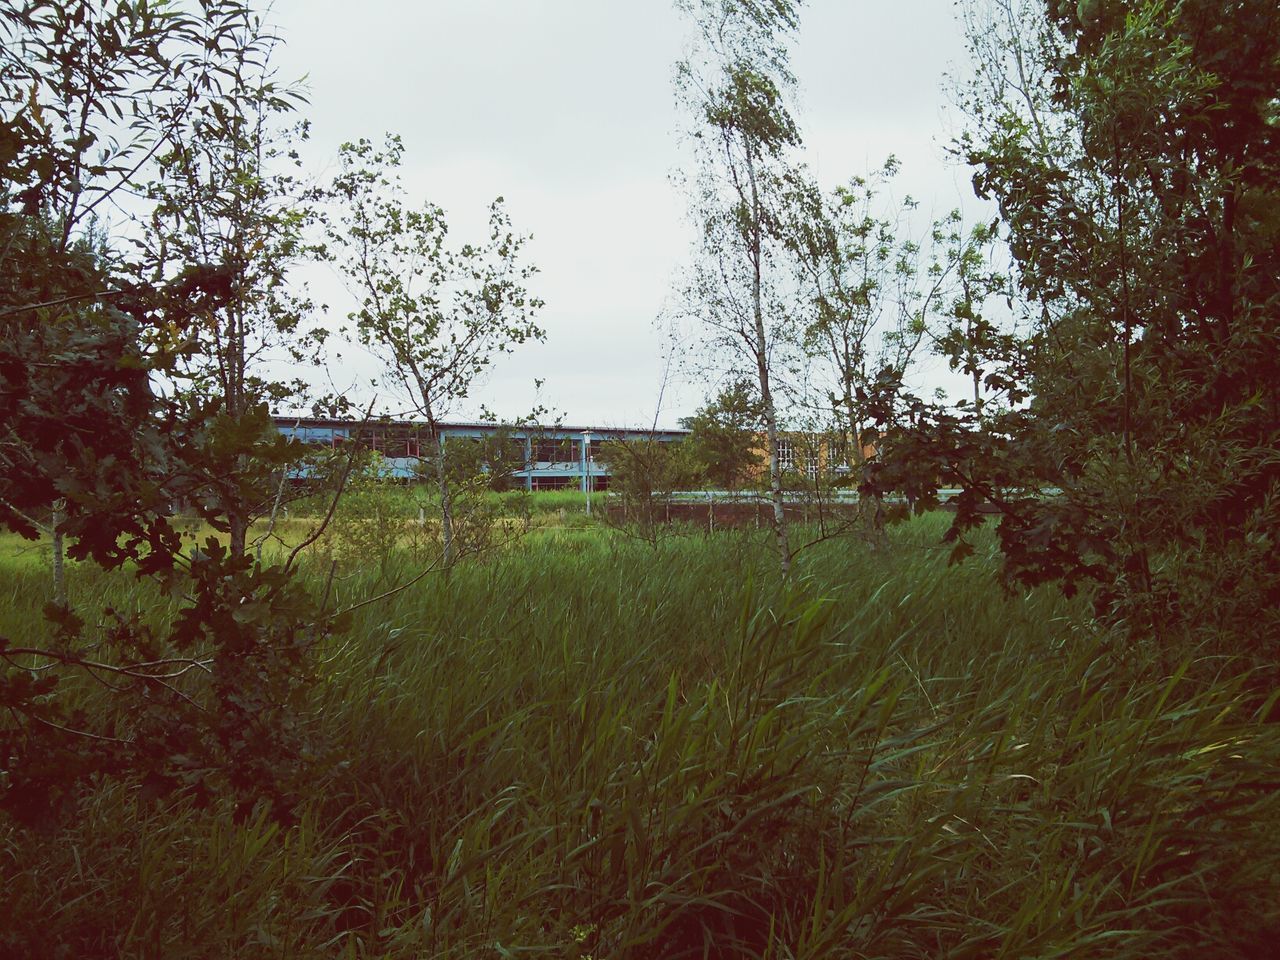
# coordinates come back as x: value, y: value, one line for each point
x: 734, y: 85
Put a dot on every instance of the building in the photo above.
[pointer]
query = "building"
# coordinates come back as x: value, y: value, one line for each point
x: 815, y: 454
x: 554, y: 457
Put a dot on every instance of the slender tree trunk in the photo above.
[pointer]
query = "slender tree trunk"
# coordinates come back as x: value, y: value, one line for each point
x: 56, y: 548
x: 872, y: 511
x: 762, y: 371
x: 237, y: 512
x: 276, y: 506
x: 854, y: 425
x: 446, y: 501
x: 775, y: 491
x: 239, y: 532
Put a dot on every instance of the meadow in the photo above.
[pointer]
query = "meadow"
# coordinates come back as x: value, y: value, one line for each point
x: 586, y: 745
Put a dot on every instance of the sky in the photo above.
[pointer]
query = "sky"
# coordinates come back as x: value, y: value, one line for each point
x: 566, y: 109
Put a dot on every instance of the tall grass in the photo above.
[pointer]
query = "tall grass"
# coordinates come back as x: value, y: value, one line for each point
x: 589, y: 746
x: 407, y: 499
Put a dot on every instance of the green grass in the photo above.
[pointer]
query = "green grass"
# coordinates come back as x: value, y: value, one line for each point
x: 587, y: 746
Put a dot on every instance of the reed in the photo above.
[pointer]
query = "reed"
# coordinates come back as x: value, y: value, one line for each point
x: 588, y: 746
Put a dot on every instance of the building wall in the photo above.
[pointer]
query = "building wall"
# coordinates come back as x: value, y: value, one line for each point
x: 554, y: 457
x: 800, y: 452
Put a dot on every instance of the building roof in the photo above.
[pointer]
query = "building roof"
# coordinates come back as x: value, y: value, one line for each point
x: 290, y: 420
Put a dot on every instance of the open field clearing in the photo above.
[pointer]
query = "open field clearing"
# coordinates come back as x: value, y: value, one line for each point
x: 420, y: 538
x: 587, y: 746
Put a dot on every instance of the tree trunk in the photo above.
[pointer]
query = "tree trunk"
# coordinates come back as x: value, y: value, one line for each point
x: 239, y: 532
x: 762, y: 371
x: 235, y: 403
x: 446, y: 503
x: 775, y: 489
x: 872, y: 510
x: 275, y: 512
x: 56, y: 548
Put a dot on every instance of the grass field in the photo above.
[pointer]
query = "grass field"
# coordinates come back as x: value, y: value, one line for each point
x: 585, y: 745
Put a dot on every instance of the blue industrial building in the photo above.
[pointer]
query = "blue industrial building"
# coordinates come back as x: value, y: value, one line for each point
x: 554, y: 457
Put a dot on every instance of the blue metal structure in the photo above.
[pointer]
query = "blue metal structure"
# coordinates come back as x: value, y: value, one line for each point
x: 555, y: 457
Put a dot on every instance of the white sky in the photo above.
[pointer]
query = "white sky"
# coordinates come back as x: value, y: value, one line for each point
x: 565, y: 108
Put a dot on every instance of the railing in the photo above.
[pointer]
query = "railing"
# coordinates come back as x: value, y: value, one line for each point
x: 844, y: 495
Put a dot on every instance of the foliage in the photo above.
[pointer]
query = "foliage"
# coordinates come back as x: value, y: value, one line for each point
x: 724, y: 443
x: 439, y: 316
x: 200, y: 699
x: 867, y: 310
x: 436, y: 316
x: 477, y: 468
x: 226, y: 198
x: 368, y: 525
x: 77, y: 402
x: 204, y: 704
x: 967, y: 333
x: 97, y: 101
x: 491, y: 462
x: 735, y: 85
x: 643, y: 473
x: 1136, y: 177
x: 376, y: 513
x: 86, y: 96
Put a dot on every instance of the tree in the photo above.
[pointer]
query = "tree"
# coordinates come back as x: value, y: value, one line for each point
x: 227, y: 197
x: 91, y: 95
x: 724, y: 445
x: 869, y: 308
x: 437, y: 316
x: 966, y: 333
x: 734, y: 86
x: 643, y: 473
x: 861, y: 280
x: 476, y: 468
x: 1134, y: 151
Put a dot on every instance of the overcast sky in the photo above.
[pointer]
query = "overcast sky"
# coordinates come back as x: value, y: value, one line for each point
x: 565, y: 108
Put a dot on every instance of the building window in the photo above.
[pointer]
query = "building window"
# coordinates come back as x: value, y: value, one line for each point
x: 555, y: 451
x: 400, y: 441
x: 786, y: 455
